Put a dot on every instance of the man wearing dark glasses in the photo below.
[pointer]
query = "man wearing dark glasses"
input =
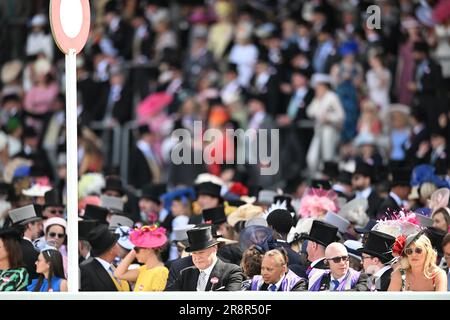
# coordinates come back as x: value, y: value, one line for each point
x: 340, y: 277
x: 54, y: 207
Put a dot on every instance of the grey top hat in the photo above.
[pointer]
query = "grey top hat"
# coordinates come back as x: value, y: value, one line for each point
x: 23, y: 215
x: 266, y: 196
x: 114, y: 204
x: 180, y: 234
x: 118, y: 220
x: 341, y: 223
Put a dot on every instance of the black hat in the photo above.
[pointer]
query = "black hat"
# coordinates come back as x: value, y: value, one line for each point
x: 421, y: 46
x: 320, y: 184
x: 401, y: 177
x: 344, y: 177
x: 93, y: 212
x: 10, y: 233
x: 84, y: 227
x: 305, y: 72
x: 200, y: 238
x: 379, y: 244
x: 236, y: 202
x: 280, y: 220
x: 111, y: 6
x: 101, y: 240
x: 143, y: 129
x: 327, y: 28
x: 209, y: 188
x: 322, y: 233
x: 364, y: 169
x: 53, y: 198
x: 214, y: 215
x: 284, y: 198
x: 330, y: 169
x: 232, y: 67
x: 153, y: 192
x: 370, y: 224
x: 115, y: 184
x: 436, y: 236
x: 7, y: 190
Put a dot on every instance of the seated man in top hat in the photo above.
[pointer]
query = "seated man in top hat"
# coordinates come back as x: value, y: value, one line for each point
x: 97, y: 272
x: 400, y: 189
x: 376, y: 255
x: 53, y: 206
x: 319, y: 237
x: 340, y: 277
x: 209, y: 273
x: 275, y: 274
x: 362, y: 183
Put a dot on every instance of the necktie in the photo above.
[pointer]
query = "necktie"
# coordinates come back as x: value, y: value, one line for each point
x: 272, y: 287
x: 335, y: 284
x: 308, y: 270
x: 201, y: 283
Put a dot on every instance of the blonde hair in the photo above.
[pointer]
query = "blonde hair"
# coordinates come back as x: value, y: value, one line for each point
x: 429, y: 267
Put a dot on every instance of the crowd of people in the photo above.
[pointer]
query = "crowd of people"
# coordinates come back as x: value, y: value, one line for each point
x: 361, y: 198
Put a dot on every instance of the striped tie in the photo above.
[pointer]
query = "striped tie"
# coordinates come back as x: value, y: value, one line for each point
x: 201, y: 283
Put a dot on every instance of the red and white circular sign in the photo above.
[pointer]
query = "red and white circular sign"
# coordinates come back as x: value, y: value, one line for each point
x: 70, y: 22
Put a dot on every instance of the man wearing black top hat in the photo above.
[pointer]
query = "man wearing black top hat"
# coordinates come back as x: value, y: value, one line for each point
x: 208, y: 196
x: 53, y: 206
x: 30, y: 225
x: 376, y: 255
x: 400, y: 189
x: 436, y: 236
x: 97, y: 272
x: 209, y: 273
x: 319, y: 237
x: 362, y: 183
x: 114, y: 188
x: 151, y: 208
x: 84, y: 247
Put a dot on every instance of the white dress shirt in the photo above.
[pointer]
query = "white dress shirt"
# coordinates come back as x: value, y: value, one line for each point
x: 207, y: 271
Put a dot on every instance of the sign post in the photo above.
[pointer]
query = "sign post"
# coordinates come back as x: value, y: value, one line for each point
x: 70, y: 23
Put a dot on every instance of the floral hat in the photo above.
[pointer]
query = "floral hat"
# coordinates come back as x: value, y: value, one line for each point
x: 148, y: 237
x: 401, y: 222
x: 317, y: 202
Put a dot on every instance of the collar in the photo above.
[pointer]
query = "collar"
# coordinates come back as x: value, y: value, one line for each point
x: 210, y: 268
x: 28, y: 239
x: 105, y: 264
x: 396, y: 198
x: 380, y: 272
x: 316, y: 261
x: 365, y: 193
x: 278, y: 284
x: 338, y: 188
x: 340, y: 279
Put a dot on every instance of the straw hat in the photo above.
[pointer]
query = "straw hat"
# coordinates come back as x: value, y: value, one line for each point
x: 11, y: 71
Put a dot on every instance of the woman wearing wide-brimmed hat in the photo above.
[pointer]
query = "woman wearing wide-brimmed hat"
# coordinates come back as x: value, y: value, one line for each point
x: 148, y: 242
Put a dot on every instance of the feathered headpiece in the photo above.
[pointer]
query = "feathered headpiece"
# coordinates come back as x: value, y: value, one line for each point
x: 317, y: 202
x: 402, y: 222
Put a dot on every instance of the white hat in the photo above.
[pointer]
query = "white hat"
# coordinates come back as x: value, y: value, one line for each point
x: 352, y: 248
x: 180, y: 233
x: 38, y: 20
x: 256, y: 222
x: 42, y: 66
x: 341, y: 223
x: 266, y: 196
x: 355, y: 211
x: 303, y: 227
x: 36, y: 190
x: 124, y: 238
x: 55, y: 220
x: 320, y: 78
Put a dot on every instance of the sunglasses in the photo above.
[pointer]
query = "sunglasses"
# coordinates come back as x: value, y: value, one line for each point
x: 137, y: 249
x: 339, y: 259
x: 410, y: 251
x: 55, y: 211
x: 54, y: 235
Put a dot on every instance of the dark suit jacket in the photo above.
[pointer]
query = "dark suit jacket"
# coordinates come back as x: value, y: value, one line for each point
x: 176, y: 266
x: 30, y: 256
x: 389, y: 203
x: 375, y: 201
x: 94, y: 277
x: 361, y: 285
x: 139, y: 173
x: 385, y: 280
x: 229, y: 275
x: 412, y: 149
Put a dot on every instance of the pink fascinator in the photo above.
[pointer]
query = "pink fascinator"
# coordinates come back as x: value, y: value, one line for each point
x: 148, y: 237
x: 317, y: 202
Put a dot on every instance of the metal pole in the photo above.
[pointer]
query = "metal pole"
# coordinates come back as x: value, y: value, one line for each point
x: 72, y: 171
